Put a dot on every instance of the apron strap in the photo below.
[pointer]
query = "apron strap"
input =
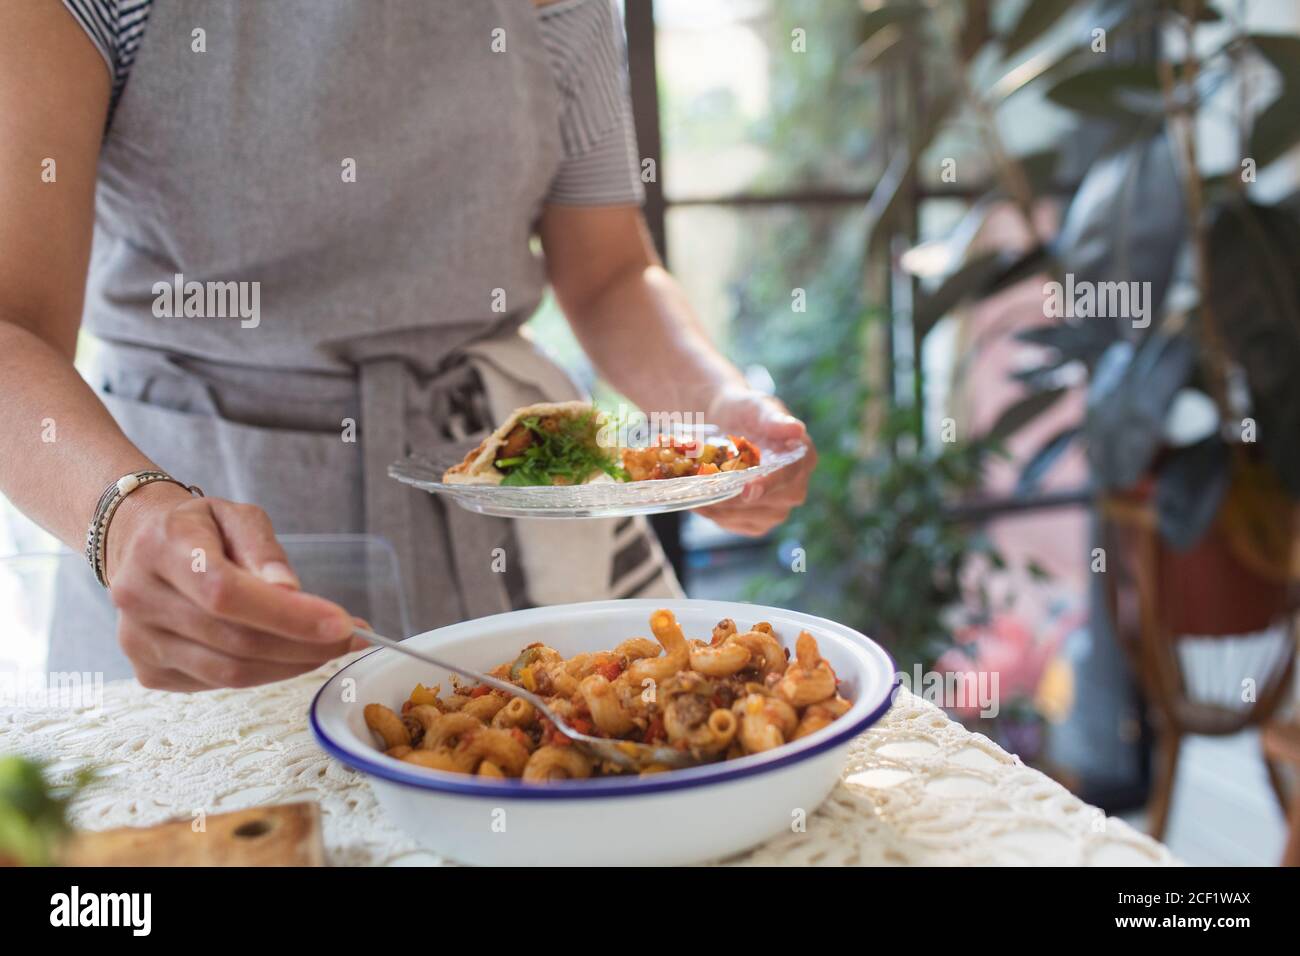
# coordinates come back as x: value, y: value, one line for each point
x: 454, y: 579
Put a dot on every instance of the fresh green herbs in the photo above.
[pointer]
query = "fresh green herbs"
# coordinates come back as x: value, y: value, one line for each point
x: 33, y: 813
x: 564, y: 451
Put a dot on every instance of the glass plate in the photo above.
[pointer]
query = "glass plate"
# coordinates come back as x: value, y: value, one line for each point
x: 605, y: 499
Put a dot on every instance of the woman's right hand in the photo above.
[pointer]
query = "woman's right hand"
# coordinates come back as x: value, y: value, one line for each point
x: 207, y: 597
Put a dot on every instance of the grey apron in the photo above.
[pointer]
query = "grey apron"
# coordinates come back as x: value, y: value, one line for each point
x: 392, y: 302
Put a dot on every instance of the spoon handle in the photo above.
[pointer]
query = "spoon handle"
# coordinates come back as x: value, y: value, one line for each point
x: 620, y: 752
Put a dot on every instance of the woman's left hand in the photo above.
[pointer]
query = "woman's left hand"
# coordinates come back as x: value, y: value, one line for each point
x: 766, y: 502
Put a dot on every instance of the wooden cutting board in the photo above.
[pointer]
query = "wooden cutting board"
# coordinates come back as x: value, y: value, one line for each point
x: 288, y: 835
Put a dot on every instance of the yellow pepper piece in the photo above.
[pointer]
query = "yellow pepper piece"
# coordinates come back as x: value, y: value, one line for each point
x: 423, y: 695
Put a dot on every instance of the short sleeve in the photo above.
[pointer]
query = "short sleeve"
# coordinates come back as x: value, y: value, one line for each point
x: 116, y: 27
x: 600, y: 165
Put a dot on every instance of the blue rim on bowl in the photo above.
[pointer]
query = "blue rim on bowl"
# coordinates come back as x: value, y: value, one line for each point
x: 391, y: 770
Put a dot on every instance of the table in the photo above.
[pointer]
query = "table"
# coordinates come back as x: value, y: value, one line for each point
x: 918, y: 788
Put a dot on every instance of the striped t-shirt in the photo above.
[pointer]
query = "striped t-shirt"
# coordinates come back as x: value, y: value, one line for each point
x: 584, y: 45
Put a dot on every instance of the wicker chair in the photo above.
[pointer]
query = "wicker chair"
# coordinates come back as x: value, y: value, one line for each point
x: 1156, y: 607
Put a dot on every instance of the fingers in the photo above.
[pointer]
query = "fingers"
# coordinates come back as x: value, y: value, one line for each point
x: 760, y: 418
x: 765, y: 502
x: 777, y: 427
x: 251, y: 544
x: 749, y: 521
x: 788, y: 487
x: 208, y: 600
x: 167, y: 660
x: 226, y: 590
x: 244, y: 642
x: 173, y: 646
x: 155, y: 678
x: 778, y: 490
x: 360, y: 643
x: 212, y: 668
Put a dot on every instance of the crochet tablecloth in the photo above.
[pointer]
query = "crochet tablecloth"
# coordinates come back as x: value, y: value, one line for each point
x: 917, y: 788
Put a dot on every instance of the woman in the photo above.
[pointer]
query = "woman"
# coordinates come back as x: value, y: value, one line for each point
x: 312, y: 252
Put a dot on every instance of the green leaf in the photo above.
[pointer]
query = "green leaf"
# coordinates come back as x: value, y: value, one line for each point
x: 1083, y: 341
x: 985, y: 274
x: 1127, y: 220
x: 1276, y: 129
x: 880, y: 16
x: 961, y: 285
x: 1020, y: 413
x: 567, y: 450
x: 1128, y: 400
x: 1107, y: 90
x: 1138, y: 18
x: 1281, y: 50
x: 1255, y: 300
x: 1046, y: 67
x: 1041, y: 462
x: 1190, y: 488
x: 1040, y: 168
x: 1036, y: 18
x: 33, y: 813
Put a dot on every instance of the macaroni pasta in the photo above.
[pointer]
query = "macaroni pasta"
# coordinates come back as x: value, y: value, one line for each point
x: 737, y: 693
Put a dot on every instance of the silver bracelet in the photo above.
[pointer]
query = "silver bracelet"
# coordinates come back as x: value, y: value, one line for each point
x: 109, y: 502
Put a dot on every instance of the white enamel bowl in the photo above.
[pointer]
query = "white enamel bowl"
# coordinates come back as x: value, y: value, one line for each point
x: 679, y: 817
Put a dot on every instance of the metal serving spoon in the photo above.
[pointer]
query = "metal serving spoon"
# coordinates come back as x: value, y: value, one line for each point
x: 625, y: 753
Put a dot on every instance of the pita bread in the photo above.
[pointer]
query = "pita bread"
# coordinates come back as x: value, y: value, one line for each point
x: 478, y: 467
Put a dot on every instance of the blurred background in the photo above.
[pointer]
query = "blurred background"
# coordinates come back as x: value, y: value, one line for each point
x: 1030, y: 271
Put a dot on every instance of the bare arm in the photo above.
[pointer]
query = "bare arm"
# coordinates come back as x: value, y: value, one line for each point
x: 629, y: 314
x: 64, y: 446
x: 635, y: 323
x: 182, y: 629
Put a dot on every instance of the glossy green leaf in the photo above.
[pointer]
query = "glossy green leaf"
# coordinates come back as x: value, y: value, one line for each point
x: 1020, y: 413
x: 1107, y: 90
x: 1255, y: 301
x: 1035, y: 20
x: 1276, y: 129
x: 1190, y: 488
x: 1127, y: 220
x: 1282, y: 51
x: 1041, y: 462
x: 1082, y: 341
x: 983, y: 275
x: 1127, y: 404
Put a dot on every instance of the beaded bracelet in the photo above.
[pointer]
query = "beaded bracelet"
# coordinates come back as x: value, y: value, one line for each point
x: 109, y: 502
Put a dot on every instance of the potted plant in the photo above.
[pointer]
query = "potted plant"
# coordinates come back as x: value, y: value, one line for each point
x: 1173, y: 288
